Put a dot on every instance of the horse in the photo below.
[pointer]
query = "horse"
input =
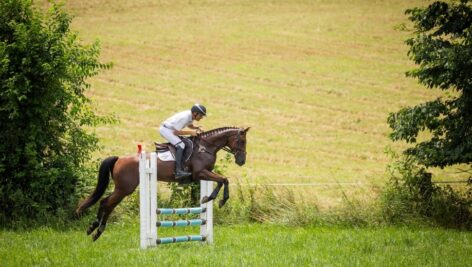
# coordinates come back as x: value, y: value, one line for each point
x: 125, y: 172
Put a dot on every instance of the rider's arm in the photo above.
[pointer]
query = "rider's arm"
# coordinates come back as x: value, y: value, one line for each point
x: 194, y: 127
x: 186, y: 132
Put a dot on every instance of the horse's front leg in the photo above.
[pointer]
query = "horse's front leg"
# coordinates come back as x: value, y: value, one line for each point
x: 225, y: 195
x: 213, y: 194
x: 222, y: 181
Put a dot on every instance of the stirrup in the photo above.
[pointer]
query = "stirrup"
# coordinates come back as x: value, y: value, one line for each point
x: 181, y: 174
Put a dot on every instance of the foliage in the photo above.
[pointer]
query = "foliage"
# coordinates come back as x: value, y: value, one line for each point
x: 442, y: 47
x: 186, y: 195
x: 411, y: 196
x: 43, y: 111
x: 249, y: 203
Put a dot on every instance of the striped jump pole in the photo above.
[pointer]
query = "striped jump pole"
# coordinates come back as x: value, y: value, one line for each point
x: 149, y: 211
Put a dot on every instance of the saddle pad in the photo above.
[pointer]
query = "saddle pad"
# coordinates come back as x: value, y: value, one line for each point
x: 165, y: 156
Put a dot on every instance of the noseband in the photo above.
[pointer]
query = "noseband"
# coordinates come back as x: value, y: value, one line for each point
x: 229, y: 150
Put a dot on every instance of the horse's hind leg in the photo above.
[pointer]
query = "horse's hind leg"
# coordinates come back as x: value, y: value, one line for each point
x: 106, y: 207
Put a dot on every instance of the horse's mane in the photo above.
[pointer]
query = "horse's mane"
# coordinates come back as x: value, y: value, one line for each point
x: 218, y: 131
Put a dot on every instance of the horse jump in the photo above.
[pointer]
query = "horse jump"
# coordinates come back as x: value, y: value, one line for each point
x: 148, y: 208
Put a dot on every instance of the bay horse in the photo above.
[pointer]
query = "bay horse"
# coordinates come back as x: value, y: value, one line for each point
x: 125, y: 172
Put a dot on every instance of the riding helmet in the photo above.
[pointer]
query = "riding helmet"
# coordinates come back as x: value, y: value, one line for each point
x: 200, y: 109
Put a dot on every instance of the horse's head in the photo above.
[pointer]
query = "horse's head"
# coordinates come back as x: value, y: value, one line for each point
x: 230, y: 139
x: 237, y: 144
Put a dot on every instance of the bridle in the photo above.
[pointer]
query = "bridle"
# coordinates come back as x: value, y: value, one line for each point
x: 225, y: 148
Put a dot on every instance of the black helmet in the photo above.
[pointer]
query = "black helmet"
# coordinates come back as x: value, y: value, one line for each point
x: 200, y: 109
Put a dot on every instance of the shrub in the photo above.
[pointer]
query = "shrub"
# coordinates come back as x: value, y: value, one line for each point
x: 43, y: 111
x: 411, y: 196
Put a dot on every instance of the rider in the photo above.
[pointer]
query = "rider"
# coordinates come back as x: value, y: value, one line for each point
x: 172, y: 127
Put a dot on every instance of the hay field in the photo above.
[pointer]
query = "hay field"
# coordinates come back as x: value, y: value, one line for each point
x: 315, y: 80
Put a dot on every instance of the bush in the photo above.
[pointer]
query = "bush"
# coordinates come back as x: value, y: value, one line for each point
x: 43, y: 111
x: 411, y: 196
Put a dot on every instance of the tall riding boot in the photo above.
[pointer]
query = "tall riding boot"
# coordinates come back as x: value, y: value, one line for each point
x: 179, y: 172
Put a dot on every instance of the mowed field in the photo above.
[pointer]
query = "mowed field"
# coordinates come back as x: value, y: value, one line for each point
x: 315, y: 80
x: 242, y: 245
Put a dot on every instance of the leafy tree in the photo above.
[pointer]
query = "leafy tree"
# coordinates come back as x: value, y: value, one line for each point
x: 44, y: 147
x: 442, y: 47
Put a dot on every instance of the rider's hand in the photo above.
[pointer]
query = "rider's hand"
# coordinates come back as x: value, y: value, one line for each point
x: 194, y: 133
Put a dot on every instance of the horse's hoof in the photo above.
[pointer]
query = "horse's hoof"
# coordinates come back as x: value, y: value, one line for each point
x: 205, y: 199
x: 89, y: 231
x: 221, y: 203
x: 92, y: 227
x: 95, y: 237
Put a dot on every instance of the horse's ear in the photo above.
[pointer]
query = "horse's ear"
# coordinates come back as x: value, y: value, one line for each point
x: 246, y: 130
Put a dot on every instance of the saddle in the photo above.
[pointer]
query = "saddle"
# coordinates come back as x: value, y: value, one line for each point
x: 164, y: 147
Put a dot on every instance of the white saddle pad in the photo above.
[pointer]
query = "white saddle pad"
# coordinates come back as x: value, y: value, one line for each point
x: 165, y: 156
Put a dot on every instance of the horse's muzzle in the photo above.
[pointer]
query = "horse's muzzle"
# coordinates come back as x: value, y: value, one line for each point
x: 240, y: 158
x: 240, y: 161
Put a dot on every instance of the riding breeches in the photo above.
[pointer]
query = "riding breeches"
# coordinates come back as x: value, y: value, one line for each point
x: 169, y: 135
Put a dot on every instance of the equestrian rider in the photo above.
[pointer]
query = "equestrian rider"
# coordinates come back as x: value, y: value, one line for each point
x: 172, y: 127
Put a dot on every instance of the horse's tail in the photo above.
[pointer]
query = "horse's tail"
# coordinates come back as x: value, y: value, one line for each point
x: 106, y: 167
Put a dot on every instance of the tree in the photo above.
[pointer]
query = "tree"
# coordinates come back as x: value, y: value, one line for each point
x: 43, y: 110
x: 442, y: 47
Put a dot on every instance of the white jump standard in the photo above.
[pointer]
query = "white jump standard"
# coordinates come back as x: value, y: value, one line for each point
x: 148, y: 208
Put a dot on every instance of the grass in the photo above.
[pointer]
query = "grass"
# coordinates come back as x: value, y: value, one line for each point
x: 242, y: 245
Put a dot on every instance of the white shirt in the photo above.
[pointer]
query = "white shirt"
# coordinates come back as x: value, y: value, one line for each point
x: 179, y: 120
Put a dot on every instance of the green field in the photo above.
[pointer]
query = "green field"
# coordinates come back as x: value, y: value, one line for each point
x: 315, y: 80
x: 243, y: 245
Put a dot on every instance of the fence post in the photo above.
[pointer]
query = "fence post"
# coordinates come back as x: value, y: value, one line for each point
x: 144, y: 223
x: 153, y: 200
x: 206, y: 187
